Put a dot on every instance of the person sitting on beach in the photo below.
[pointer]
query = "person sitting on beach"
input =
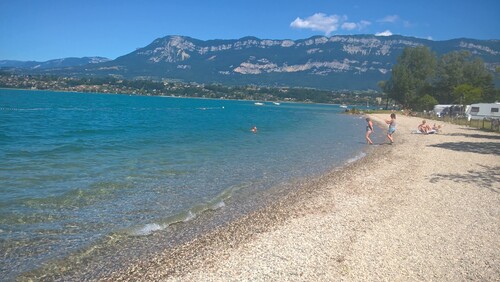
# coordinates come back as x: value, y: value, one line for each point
x: 436, y: 128
x: 424, y: 127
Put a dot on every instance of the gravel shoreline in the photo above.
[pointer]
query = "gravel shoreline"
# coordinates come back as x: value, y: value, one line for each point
x: 425, y: 208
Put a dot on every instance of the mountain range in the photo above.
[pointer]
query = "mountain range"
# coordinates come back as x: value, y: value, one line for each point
x: 52, y: 64
x: 336, y: 62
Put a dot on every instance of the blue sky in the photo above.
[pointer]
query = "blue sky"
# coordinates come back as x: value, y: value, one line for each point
x: 43, y: 30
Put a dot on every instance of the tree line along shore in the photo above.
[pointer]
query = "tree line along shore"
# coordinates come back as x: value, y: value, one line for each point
x: 182, y: 89
x: 420, y: 79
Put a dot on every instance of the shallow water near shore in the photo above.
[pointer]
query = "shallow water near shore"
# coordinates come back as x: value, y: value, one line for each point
x: 83, y: 173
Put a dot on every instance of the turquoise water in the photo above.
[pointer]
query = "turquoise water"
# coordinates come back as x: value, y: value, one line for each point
x: 77, y: 167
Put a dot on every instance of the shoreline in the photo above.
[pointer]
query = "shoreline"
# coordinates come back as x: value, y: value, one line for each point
x: 184, y: 241
x: 397, y: 214
x: 180, y: 97
x: 200, y: 253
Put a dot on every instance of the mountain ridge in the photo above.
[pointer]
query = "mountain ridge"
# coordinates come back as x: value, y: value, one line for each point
x: 335, y: 62
x: 54, y: 63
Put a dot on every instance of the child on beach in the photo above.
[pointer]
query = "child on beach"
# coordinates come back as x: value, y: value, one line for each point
x: 369, y: 130
x: 437, y: 128
x: 392, y: 127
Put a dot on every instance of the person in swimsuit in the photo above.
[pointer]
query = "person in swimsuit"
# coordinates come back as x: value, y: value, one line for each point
x: 369, y: 130
x: 424, y: 127
x: 392, y: 127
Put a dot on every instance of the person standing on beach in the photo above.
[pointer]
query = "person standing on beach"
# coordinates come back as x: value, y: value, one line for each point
x: 392, y: 127
x: 369, y: 130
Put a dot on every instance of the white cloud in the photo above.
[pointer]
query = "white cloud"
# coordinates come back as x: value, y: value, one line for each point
x: 363, y: 24
x: 384, y: 33
x: 389, y: 19
x: 328, y: 24
x: 349, y: 26
x: 360, y: 26
x: 320, y: 22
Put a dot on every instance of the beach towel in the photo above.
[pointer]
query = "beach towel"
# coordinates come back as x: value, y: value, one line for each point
x: 416, y: 131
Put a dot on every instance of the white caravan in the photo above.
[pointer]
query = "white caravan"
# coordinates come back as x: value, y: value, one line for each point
x: 483, y: 110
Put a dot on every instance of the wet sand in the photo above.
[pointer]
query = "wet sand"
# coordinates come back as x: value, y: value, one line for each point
x: 425, y: 208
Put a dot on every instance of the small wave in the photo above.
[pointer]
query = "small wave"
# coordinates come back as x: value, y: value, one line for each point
x: 84, y: 109
x: 179, y: 218
x: 186, y: 216
x: 154, y: 227
x: 24, y: 109
x: 190, y: 216
x: 210, y: 108
x: 48, y: 151
x: 356, y: 158
x: 67, y: 148
x: 147, y: 229
x: 218, y: 205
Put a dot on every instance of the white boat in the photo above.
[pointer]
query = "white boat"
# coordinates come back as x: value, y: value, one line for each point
x: 343, y: 106
x: 276, y: 103
x: 259, y: 104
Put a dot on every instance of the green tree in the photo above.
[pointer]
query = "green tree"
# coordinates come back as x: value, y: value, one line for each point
x: 412, y: 74
x: 467, y: 94
x: 457, y: 68
x: 477, y: 75
x: 426, y: 102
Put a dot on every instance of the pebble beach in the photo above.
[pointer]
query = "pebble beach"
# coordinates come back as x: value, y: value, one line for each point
x: 426, y: 208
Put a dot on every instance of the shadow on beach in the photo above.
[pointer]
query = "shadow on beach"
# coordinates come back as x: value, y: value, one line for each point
x: 486, y: 148
x: 488, y: 177
x: 482, y: 136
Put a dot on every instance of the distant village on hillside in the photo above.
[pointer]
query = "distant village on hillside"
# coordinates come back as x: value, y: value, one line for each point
x: 111, y: 85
